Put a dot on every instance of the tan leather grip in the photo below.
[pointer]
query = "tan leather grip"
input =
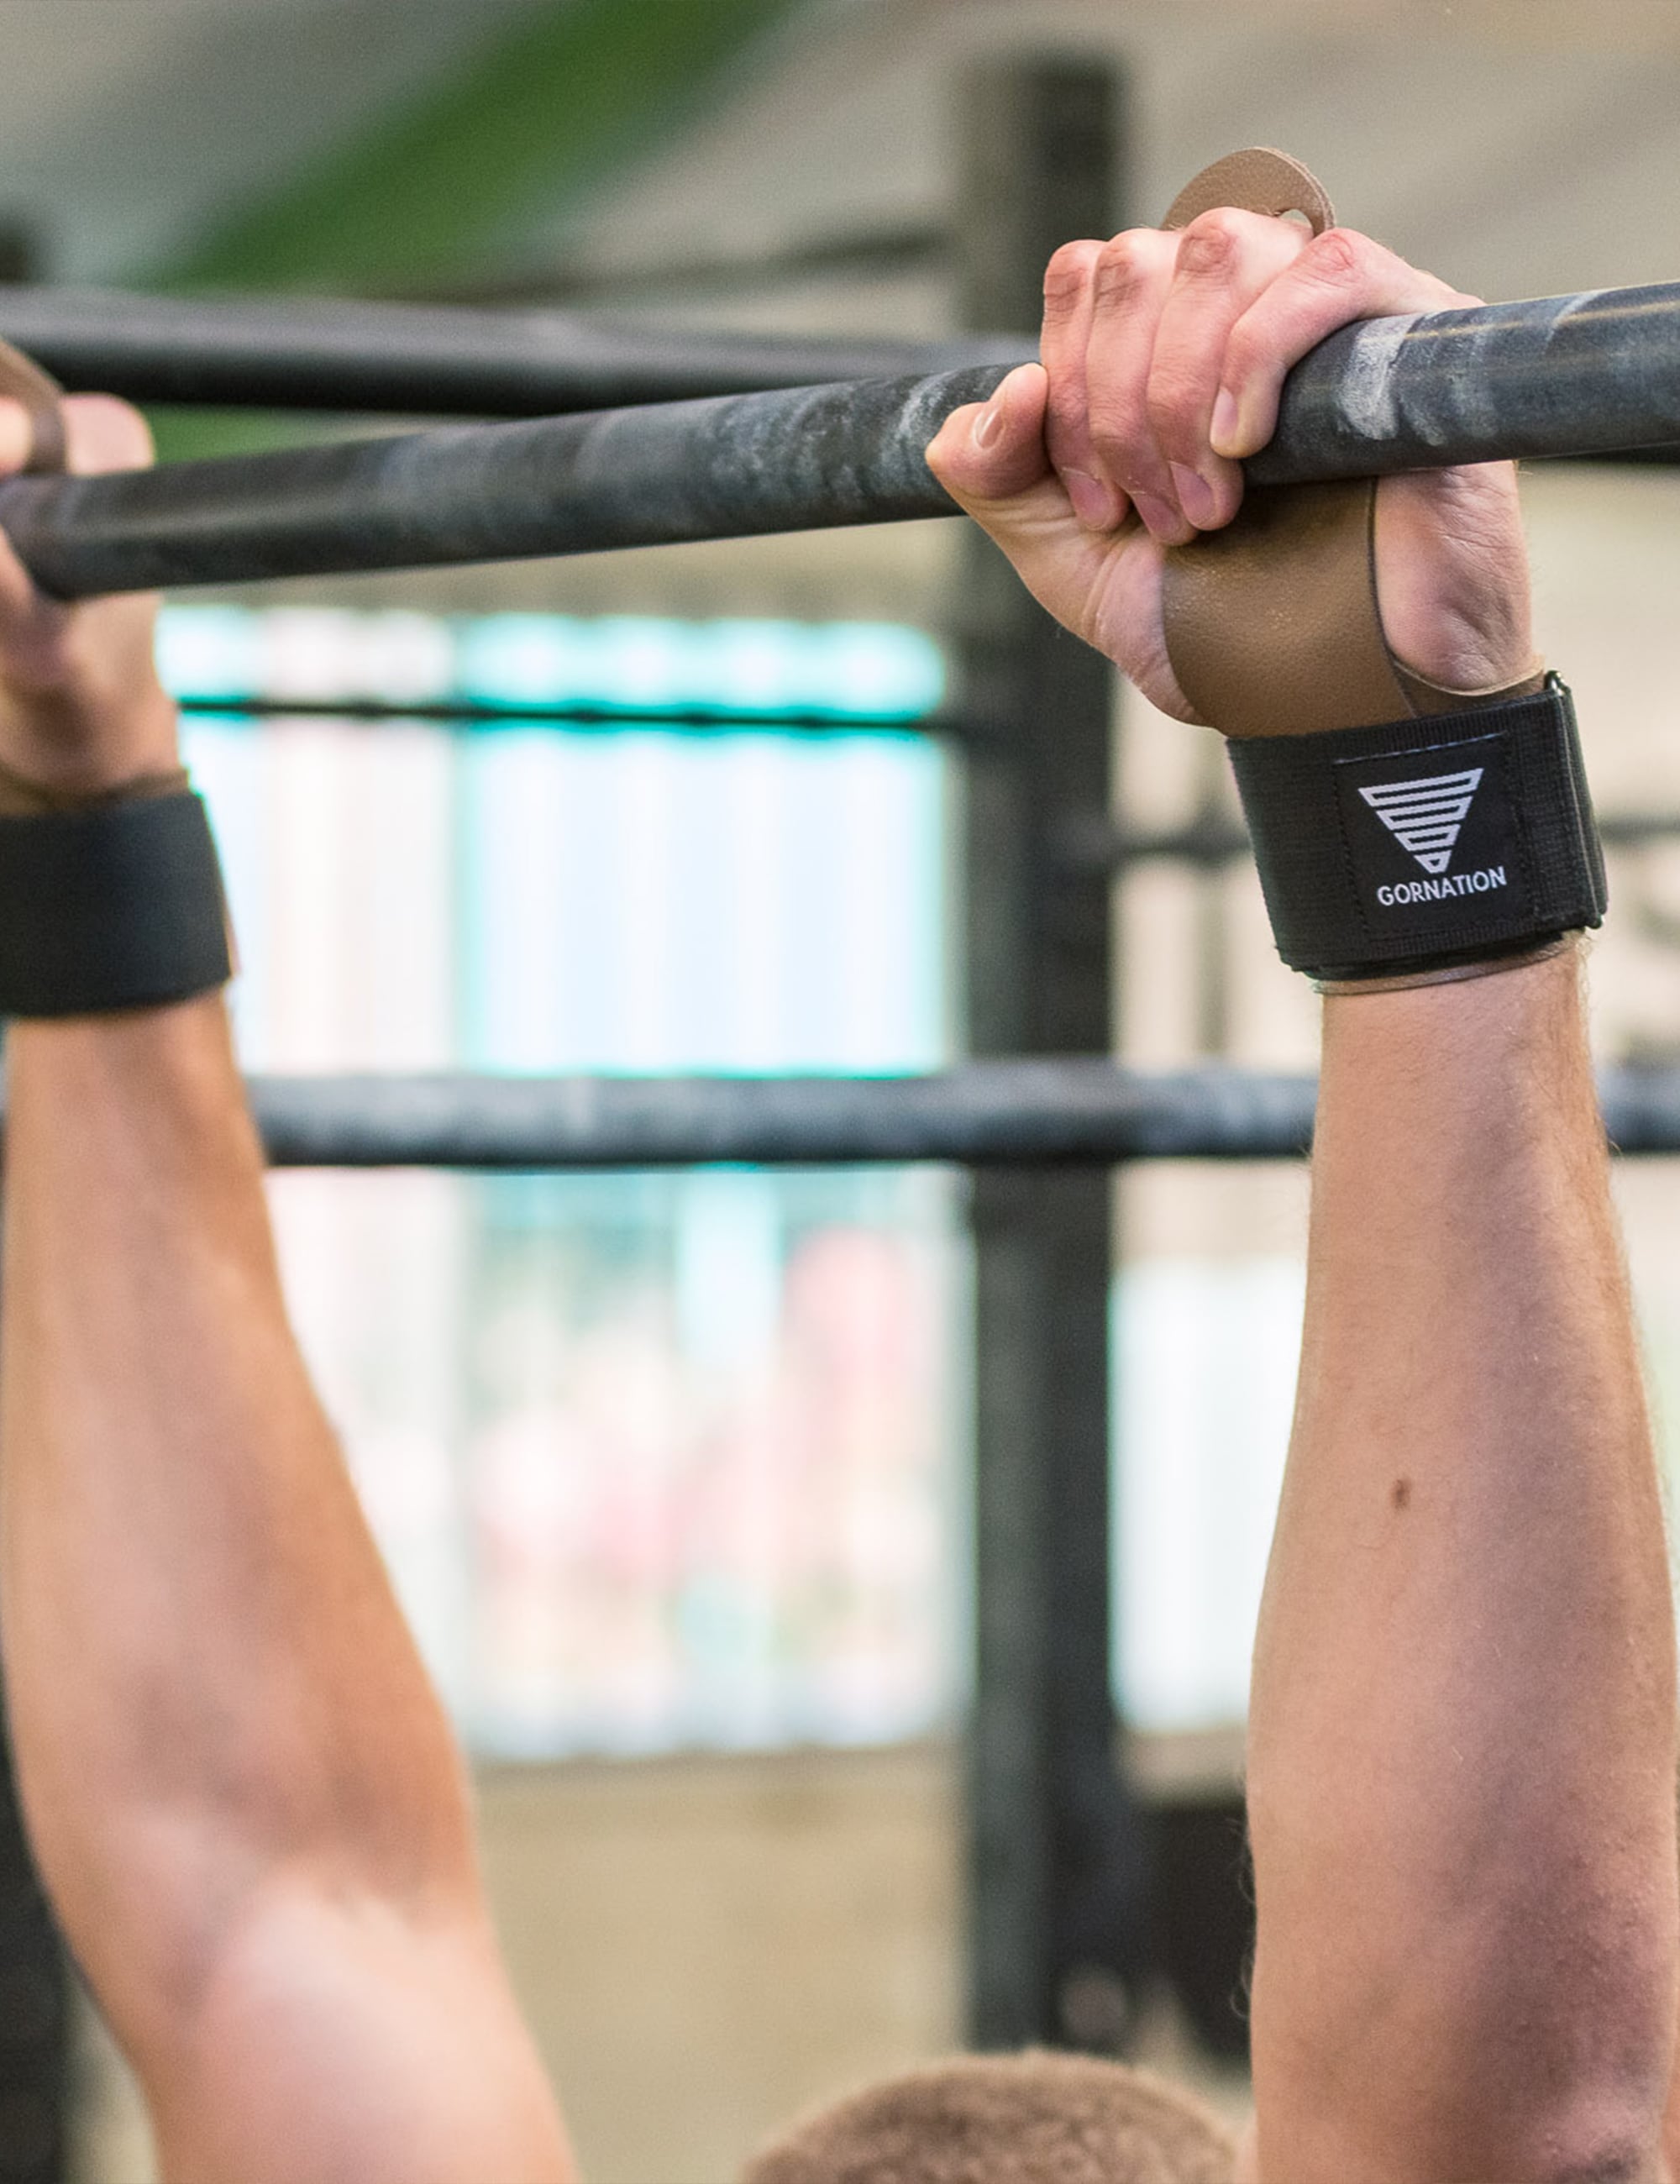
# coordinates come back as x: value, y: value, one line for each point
x: 1272, y: 624
x: 1258, y: 179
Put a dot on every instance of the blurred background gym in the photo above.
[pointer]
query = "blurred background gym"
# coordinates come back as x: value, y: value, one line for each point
x: 677, y: 1473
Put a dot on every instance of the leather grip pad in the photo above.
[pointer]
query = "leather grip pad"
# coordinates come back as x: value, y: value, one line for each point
x: 1272, y: 624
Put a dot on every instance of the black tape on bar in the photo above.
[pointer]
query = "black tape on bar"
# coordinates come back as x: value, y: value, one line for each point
x: 1447, y: 838
x: 120, y: 906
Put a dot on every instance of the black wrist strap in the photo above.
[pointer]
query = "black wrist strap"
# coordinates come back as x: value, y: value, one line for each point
x: 117, y: 906
x: 1452, y: 838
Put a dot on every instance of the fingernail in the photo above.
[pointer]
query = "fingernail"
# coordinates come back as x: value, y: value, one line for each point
x: 1223, y: 431
x: 1093, y: 502
x: 1163, y: 520
x: 987, y: 426
x: 1195, y: 495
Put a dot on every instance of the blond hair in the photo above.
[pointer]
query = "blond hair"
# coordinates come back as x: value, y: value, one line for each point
x: 1032, y: 2119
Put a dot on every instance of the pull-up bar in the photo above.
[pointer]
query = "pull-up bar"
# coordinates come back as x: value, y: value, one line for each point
x: 1566, y: 375
x: 1044, y: 1112
x: 415, y: 361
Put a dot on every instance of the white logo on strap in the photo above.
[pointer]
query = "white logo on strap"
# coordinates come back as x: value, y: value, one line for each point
x: 1425, y: 817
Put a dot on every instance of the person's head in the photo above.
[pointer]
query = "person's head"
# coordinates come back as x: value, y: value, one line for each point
x: 1033, y: 2118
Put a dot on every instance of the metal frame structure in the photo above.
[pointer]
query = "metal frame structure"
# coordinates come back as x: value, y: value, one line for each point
x: 36, y: 2067
x: 1058, y: 1878
x: 715, y: 436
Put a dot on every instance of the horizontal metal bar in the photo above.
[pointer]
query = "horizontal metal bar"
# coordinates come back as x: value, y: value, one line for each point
x: 1094, y: 844
x: 1592, y: 373
x: 1076, y: 1112
x: 473, y: 713
x: 1641, y: 1108
x: 743, y: 464
x: 1097, y: 845
x: 1045, y: 1112
x: 413, y: 359
x: 1570, y: 376
x: 867, y: 254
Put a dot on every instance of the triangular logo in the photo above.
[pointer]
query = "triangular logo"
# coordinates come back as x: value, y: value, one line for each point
x: 1425, y: 817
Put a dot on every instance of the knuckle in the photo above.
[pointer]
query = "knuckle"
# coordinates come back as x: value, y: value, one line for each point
x: 1337, y: 257
x: 1124, y: 262
x: 1211, y: 245
x: 1068, y: 271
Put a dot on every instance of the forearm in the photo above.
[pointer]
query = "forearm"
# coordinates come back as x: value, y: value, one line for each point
x: 1462, y: 1748
x: 209, y: 1680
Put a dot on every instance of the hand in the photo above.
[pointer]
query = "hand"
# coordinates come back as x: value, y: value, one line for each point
x: 81, y: 708
x: 1164, y: 356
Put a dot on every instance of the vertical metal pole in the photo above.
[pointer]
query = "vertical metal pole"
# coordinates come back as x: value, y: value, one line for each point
x: 35, y: 2088
x: 1056, y: 1870
x: 35, y: 2005
x: 1212, y: 890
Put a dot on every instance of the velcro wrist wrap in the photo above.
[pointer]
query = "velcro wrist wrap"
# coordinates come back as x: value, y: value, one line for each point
x: 1446, y: 838
x: 116, y: 906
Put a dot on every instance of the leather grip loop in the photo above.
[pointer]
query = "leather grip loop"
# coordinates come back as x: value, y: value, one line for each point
x: 1258, y: 179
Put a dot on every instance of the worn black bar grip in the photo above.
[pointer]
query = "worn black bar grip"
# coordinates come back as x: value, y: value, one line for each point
x: 1568, y: 375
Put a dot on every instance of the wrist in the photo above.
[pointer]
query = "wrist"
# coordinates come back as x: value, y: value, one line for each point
x: 1565, y: 944
x: 65, y: 747
x: 1447, y: 1021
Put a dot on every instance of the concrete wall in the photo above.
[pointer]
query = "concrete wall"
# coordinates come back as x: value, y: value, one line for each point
x: 706, y: 1946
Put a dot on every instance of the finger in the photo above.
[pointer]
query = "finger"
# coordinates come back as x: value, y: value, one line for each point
x: 101, y: 433
x: 990, y: 453
x: 1069, y: 297
x: 1226, y: 260
x: 1339, y: 277
x: 1131, y: 285
x: 16, y: 436
x: 18, y: 594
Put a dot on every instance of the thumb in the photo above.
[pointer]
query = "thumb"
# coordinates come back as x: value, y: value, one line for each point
x: 992, y: 454
x: 991, y: 457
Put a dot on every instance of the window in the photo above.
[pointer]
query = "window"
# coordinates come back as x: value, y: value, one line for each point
x: 656, y: 1460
